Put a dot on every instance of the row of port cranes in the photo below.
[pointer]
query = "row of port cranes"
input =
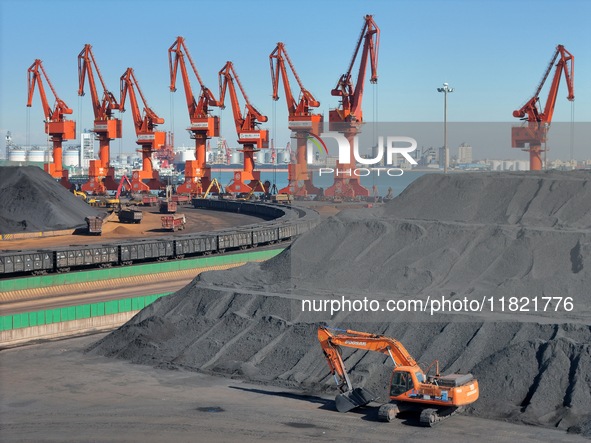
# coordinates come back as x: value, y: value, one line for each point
x: 346, y: 119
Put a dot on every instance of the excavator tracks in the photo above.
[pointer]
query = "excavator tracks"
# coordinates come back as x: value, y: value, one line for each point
x: 431, y: 417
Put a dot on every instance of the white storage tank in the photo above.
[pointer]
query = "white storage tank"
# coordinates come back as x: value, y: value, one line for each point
x: 37, y: 155
x: 71, y: 158
x: 236, y: 158
x: 260, y: 157
x: 284, y: 157
x: 184, y: 155
x: 522, y: 165
x: 17, y: 155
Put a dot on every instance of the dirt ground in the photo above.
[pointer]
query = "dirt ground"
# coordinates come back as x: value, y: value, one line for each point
x: 198, y: 220
x: 54, y: 392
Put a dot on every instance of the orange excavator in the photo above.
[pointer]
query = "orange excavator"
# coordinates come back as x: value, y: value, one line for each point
x: 435, y: 397
x: 56, y: 125
x: 250, y: 136
x: 300, y: 120
x: 538, y: 120
x: 203, y: 124
x: 348, y: 117
x: 101, y: 176
x: 150, y: 140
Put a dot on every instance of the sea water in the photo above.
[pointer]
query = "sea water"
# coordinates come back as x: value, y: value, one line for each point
x: 382, y: 182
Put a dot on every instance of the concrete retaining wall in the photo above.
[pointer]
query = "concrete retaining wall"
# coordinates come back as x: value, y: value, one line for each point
x: 16, y: 337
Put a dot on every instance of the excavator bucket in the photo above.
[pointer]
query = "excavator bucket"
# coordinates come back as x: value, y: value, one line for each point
x: 353, y: 399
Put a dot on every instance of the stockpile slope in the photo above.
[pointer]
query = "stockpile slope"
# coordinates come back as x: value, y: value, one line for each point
x: 533, y: 367
x: 32, y: 201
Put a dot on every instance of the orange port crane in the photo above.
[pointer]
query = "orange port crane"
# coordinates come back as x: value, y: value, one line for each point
x: 300, y: 120
x: 348, y: 117
x: 101, y: 176
x: 538, y: 120
x: 250, y: 137
x: 203, y: 124
x: 56, y: 125
x: 148, y: 138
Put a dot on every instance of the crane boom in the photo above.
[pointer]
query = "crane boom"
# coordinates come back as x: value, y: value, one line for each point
x: 352, y: 95
x: 538, y: 119
x: 56, y: 125
x: 202, y: 124
x: 106, y: 126
x: 148, y: 138
x: 300, y: 120
x: 249, y: 136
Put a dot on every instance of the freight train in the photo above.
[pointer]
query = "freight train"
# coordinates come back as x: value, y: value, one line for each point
x: 285, y: 223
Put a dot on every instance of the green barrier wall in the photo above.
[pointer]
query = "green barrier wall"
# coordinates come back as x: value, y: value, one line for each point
x: 132, y: 271
x: 48, y: 316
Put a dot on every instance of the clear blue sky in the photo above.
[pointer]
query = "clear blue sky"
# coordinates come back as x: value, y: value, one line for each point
x: 493, y: 52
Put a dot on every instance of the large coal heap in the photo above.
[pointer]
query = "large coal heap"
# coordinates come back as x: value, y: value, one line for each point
x: 32, y: 201
x: 506, y: 235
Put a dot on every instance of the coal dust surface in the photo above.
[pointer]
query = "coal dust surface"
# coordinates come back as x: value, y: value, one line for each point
x: 481, y: 237
x: 32, y: 201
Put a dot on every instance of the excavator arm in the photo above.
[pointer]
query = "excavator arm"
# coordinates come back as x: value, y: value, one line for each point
x: 367, y: 342
x: 331, y: 341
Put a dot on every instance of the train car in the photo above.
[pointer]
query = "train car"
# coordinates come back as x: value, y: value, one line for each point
x: 206, y: 243
x: 236, y: 239
x: 35, y: 262
x: 287, y: 223
x: 287, y: 231
x: 72, y: 257
x: 264, y: 235
x: 145, y: 250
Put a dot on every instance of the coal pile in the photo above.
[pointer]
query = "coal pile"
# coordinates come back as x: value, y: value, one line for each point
x: 32, y: 201
x: 458, y: 236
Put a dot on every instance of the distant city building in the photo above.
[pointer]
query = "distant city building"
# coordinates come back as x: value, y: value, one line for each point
x: 464, y: 153
x: 86, y: 148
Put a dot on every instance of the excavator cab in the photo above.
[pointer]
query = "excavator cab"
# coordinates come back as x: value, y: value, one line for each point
x: 401, y: 383
x: 403, y: 380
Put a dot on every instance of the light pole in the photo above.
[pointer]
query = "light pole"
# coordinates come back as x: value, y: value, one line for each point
x: 445, y: 90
